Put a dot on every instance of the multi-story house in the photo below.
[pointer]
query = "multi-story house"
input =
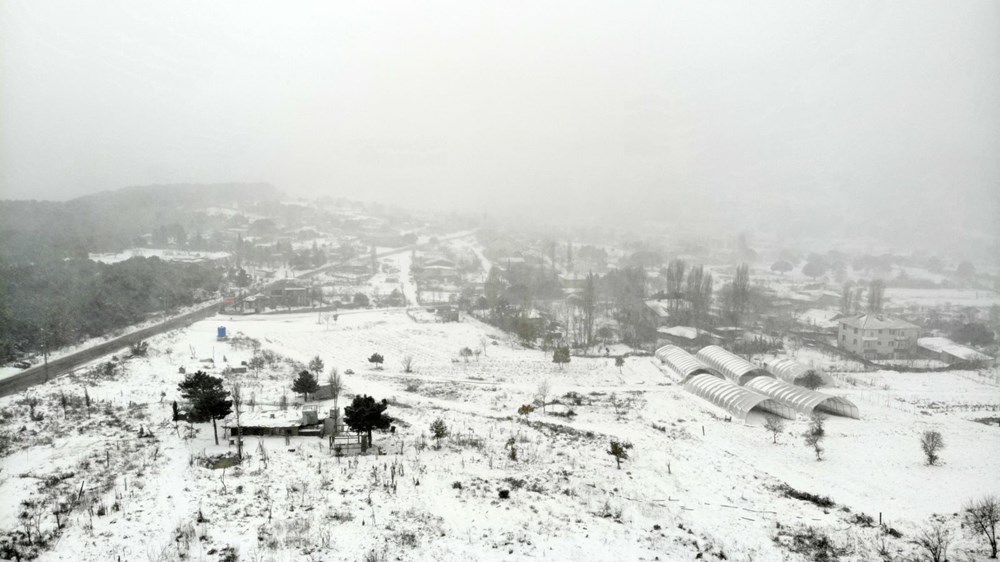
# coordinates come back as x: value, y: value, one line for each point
x: 877, y: 337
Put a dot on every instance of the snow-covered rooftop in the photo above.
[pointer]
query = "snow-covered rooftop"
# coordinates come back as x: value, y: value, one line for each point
x: 945, y: 345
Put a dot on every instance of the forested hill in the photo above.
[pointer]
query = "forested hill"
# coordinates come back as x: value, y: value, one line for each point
x: 174, y: 195
x: 111, y: 220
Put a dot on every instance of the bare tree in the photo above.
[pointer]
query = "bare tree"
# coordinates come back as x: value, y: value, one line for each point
x: 775, y: 425
x: 815, y: 434
x: 256, y: 364
x: 846, y: 299
x: 738, y: 301
x: 544, y: 388
x: 876, y: 290
x: 316, y: 365
x: 408, y: 364
x: 931, y: 442
x: 336, y: 387
x: 236, y: 394
x: 982, y: 516
x: 934, y: 540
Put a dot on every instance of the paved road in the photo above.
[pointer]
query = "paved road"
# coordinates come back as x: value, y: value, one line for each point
x: 58, y: 367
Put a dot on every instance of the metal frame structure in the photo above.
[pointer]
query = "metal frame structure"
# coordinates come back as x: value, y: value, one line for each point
x: 735, y: 399
x: 733, y: 367
x: 790, y: 371
x: 682, y: 362
x: 802, y: 399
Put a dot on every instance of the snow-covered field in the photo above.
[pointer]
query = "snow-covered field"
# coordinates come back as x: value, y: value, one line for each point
x: 942, y: 297
x: 695, y: 483
x: 166, y: 255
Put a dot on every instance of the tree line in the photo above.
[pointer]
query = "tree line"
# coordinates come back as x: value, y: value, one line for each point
x: 54, y: 303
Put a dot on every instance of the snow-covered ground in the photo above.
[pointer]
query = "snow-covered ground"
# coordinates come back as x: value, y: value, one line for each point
x: 940, y: 297
x: 163, y: 254
x: 694, y: 483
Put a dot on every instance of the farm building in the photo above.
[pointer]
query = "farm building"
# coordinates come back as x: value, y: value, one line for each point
x: 702, y: 381
x: 801, y: 399
x: 950, y: 352
x: 733, y: 367
x: 792, y: 371
x: 657, y: 313
x: 739, y: 387
x: 276, y: 422
x: 682, y: 362
x: 735, y: 399
x: 750, y: 376
x: 686, y: 335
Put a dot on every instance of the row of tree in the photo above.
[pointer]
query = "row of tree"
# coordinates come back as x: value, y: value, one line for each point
x: 49, y: 304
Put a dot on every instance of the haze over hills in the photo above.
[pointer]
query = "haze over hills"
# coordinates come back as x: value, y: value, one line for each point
x: 867, y: 120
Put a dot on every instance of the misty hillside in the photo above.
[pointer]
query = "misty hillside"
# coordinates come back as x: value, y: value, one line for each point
x: 111, y: 220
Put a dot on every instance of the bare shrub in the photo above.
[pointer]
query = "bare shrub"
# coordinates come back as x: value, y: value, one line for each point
x: 934, y: 540
x: 812, y: 380
x: 622, y: 406
x: 931, y: 442
x: 544, y: 388
x: 811, y: 542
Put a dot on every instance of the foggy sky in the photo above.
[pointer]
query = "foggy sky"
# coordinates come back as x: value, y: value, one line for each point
x: 744, y: 110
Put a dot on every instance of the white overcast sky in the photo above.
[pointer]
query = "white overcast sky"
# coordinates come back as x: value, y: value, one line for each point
x: 475, y: 104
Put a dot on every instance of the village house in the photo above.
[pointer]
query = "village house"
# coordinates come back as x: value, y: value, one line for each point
x: 877, y: 337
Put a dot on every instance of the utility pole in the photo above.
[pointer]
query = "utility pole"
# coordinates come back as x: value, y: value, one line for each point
x: 45, y: 352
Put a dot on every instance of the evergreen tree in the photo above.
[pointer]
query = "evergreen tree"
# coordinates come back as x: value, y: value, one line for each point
x: 561, y: 356
x: 439, y: 430
x: 619, y: 451
x: 305, y: 384
x: 207, y: 396
x: 366, y: 414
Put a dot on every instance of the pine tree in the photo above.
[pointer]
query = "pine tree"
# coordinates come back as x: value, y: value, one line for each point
x: 366, y: 414
x: 439, y: 430
x: 305, y: 384
x: 619, y: 451
x: 207, y: 396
